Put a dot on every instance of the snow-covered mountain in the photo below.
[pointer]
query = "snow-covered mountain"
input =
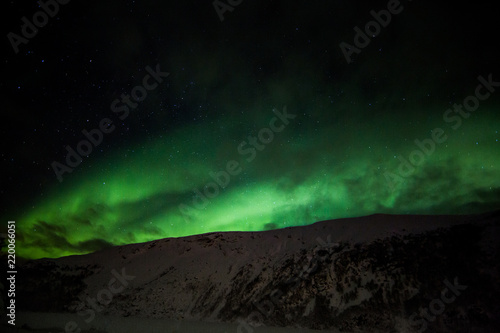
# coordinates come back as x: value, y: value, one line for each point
x: 387, y: 273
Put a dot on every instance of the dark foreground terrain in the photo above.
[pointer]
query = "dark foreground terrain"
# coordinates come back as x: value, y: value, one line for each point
x: 380, y: 273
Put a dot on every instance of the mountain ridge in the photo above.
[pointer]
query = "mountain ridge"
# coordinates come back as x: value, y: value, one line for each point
x: 351, y: 274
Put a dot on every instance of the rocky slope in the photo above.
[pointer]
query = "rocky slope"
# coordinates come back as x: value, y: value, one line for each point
x: 378, y: 273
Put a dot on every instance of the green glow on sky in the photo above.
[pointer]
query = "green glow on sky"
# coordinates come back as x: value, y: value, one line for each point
x: 353, y: 121
x: 134, y: 194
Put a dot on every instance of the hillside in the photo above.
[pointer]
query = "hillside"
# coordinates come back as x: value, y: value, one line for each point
x: 361, y: 274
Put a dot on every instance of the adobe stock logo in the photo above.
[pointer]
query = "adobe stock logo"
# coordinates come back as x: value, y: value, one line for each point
x: 222, y: 178
x: 438, y: 136
x: 266, y: 307
x: 221, y: 7
x: 437, y: 305
x: 40, y: 19
x: 121, y: 107
x: 104, y: 297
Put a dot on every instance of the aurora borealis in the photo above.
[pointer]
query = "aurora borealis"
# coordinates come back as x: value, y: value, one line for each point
x: 353, y: 122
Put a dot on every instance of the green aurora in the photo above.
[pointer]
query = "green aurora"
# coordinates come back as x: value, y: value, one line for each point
x: 354, y: 122
x: 300, y: 177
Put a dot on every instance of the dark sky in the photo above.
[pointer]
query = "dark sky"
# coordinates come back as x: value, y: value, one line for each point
x: 210, y: 148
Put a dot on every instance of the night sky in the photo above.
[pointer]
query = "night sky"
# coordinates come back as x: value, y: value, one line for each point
x: 262, y: 120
